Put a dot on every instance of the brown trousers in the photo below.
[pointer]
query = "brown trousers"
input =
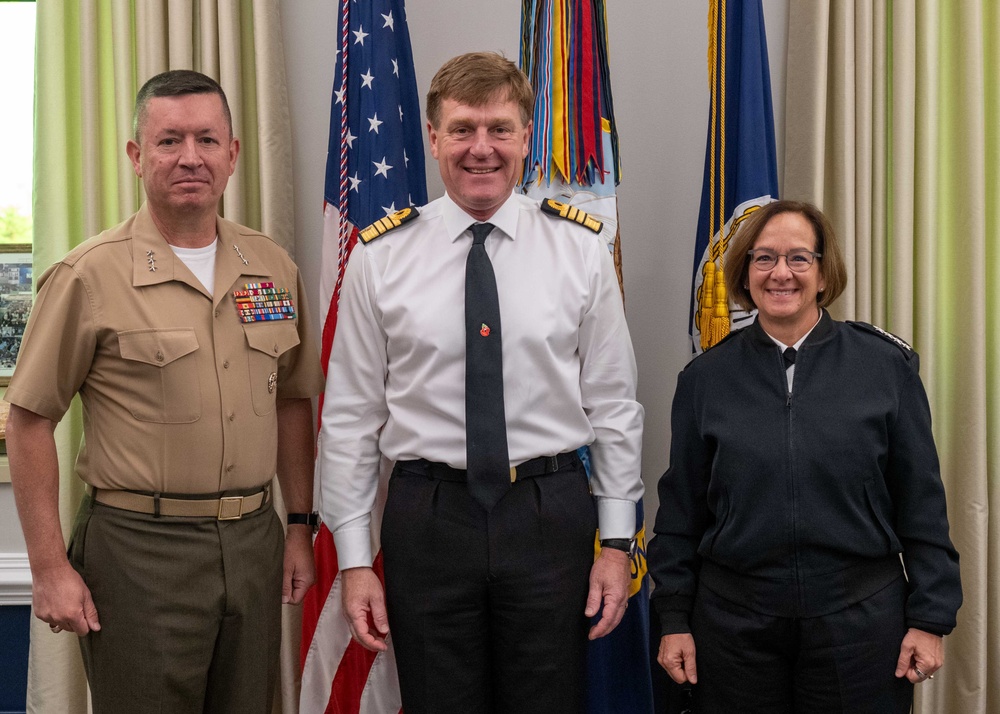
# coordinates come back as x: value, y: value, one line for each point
x: 190, y: 610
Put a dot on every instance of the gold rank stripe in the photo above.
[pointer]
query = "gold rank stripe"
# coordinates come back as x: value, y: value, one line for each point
x: 571, y: 213
x: 384, y: 225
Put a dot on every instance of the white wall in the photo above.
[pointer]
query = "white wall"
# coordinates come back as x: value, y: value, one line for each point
x: 11, y: 540
x: 659, y: 81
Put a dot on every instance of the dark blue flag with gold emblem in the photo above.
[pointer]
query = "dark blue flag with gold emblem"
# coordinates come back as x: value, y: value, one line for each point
x: 741, y: 168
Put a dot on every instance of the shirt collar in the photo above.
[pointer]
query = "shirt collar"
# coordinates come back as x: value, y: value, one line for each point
x: 802, y: 339
x: 457, y: 221
x: 153, y: 251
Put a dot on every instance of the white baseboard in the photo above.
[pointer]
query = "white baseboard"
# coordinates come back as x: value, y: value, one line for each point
x: 15, y: 579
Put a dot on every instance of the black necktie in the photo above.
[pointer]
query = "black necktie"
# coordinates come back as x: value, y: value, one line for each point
x: 485, y: 425
x: 789, y: 355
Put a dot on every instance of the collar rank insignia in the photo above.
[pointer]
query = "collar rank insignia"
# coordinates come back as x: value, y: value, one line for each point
x: 571, y: 213
x: 384, y: 225
x: 262, y: 301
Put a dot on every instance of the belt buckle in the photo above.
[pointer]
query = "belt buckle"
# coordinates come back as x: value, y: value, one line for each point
x: 230, y: 508
x: 513, y: 474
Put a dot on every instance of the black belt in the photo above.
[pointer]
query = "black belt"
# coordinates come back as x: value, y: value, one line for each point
x: 529, y: 469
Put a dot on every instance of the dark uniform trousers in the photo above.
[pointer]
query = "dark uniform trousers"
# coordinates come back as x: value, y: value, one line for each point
x: 190, y: 610
x: 486, y: 610
x: 843, y: 662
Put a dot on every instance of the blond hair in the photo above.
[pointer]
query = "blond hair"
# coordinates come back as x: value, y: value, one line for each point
x: 478, y: 78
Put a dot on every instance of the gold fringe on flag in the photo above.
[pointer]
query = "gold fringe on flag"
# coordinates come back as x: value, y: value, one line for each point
x: 713, y: 314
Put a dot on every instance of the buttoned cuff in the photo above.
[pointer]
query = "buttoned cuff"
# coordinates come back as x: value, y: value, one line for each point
x: 616, y: 518
x: 354, y: 543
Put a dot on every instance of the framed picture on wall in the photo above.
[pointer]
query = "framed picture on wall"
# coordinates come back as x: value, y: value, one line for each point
x: 15, y: 303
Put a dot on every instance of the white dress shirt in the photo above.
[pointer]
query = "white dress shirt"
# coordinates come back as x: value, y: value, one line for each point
x: 396, y: 379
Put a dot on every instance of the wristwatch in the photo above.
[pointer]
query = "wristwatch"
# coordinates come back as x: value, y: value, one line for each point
x: 626, y: 545
x: 304, y: 519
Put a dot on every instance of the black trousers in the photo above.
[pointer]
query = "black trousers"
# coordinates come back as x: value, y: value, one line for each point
x: 843, y: 662
x: 486, y: 610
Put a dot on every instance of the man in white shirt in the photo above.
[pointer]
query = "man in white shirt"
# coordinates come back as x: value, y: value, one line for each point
x: 488, y: 534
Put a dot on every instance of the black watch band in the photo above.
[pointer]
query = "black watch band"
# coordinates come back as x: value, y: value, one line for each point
x: 303, y: 519
x: 622, y: 544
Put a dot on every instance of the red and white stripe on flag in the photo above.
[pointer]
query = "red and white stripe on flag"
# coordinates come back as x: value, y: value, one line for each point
x: 334, y: 262
x: 375, y: 166
x: 339, y: 676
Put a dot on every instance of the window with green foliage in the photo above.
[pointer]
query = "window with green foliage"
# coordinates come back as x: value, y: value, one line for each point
x: 17, y: 60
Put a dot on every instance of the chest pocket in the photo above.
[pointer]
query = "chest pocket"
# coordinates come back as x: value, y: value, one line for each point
x: 161, y: 382
x: 267, y: 342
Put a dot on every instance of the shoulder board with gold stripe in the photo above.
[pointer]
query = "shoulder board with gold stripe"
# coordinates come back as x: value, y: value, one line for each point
x: 384, y: 225
x: 571, y: 213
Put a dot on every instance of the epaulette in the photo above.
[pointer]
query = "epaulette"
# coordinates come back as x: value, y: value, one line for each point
x: 887, y: 336
x: 384, y: 225
x: 571, y: 213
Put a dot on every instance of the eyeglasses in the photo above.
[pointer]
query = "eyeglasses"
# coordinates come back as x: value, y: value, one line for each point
x: 798, y: 261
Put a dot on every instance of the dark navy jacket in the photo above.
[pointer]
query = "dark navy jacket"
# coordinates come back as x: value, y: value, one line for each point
x: 799, y: 504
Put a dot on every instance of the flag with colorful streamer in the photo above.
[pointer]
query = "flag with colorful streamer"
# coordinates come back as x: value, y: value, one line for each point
x: 375, y: 166
x: 573, y: 152
x: 573, y: 157
x: 741, y: 167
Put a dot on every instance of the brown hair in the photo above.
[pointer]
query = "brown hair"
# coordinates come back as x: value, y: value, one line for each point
x: 831, y: 265
x: 476, y: 79
x: 175, y: 83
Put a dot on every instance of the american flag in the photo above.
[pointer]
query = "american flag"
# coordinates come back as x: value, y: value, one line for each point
x: 375, y: 166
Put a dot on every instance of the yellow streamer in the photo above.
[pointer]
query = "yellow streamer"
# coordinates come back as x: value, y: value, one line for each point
x: 560, y: 92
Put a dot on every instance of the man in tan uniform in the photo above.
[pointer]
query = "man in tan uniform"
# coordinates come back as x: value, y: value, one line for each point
x: 188, y: 340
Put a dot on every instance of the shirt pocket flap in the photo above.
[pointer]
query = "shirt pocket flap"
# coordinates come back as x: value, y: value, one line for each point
x: 157, y: 347
x: 273, y: 340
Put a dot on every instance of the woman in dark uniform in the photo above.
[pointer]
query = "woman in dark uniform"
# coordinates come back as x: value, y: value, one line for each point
x: 802, y: 466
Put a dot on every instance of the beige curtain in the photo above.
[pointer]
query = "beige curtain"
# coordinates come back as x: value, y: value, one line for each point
x: 91, y: 58
x: 892, y: 128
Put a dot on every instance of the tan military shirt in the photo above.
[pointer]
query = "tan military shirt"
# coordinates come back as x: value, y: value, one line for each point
x: 178, y: 393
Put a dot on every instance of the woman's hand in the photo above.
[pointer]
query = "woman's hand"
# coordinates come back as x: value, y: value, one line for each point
x: 920, y: 655
x: 676, y: 656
